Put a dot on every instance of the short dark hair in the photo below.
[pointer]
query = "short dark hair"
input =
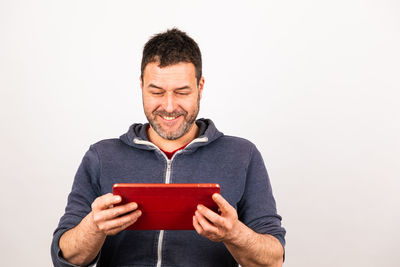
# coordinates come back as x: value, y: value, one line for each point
x: 172, y: 47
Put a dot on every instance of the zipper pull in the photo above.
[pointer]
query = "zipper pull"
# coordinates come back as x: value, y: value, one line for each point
x: 169, y: 165
x: 168, y: 174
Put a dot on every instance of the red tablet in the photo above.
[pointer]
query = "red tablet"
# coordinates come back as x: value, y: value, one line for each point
x: 166, y: 206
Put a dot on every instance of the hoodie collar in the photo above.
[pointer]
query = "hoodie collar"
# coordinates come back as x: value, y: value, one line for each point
x: 137, y: 136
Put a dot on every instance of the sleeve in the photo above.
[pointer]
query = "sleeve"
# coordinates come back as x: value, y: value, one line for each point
x: 85, y: 190
x: 257, y: 207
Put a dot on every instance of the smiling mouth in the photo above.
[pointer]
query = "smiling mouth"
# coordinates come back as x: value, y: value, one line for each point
x: 170, y: 118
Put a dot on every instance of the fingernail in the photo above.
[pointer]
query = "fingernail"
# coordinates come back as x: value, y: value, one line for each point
x: 133, y: 205
x: 199, y: 207
x: 117, y: 198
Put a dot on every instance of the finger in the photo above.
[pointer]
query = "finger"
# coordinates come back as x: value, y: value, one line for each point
x: 205, y: 224
x: 197, y: 226
x: 114, y: 212
x: 223, y: 205
x: 118, y: 229
x: 123, y: 226
x: 105, y: 201
x: 125, y: 220
x: 210, y: 215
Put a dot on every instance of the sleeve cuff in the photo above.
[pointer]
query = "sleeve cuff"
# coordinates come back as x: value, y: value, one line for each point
x: 65, y: 263
x: 58, y: 259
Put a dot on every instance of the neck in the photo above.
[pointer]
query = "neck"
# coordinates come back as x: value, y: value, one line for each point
x: 171, y: 145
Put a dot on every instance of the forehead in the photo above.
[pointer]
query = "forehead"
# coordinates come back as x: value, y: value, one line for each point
x: 178, y: 73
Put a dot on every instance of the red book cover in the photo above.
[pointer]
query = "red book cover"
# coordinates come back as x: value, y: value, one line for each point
x: 166, y: 206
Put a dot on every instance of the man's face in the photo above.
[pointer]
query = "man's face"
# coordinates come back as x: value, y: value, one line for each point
x: 171, y: 98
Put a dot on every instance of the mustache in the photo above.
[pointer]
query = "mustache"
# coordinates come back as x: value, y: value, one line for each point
x: 169, y: 114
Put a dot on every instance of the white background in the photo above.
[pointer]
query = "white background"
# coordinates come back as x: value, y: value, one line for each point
x: 314, y: 84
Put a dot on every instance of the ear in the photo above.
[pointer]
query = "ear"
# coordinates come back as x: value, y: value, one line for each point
x: 141, y: 82
x: 201, y: 85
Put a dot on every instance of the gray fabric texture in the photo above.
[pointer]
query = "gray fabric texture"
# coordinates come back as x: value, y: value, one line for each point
x: 232, y: 162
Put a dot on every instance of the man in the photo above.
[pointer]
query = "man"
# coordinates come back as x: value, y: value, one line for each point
x: 172, y: 148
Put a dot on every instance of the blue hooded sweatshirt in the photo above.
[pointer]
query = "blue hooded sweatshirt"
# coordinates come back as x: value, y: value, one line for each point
x: 232, y: 162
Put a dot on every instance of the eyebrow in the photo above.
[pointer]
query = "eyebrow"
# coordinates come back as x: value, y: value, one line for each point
x: 183, y: 87
x: 154, y: 86
x: 179, y: 88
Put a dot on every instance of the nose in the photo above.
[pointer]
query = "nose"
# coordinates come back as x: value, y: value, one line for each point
x: 169, y: 102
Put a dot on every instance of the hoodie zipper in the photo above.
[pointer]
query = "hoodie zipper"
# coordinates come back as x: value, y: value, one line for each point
x: 167, y: 181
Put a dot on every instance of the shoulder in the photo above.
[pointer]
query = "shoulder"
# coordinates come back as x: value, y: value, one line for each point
x: 107, y: 142
x: 108, y: 145
x: 236, y: 141
x: 235, y: 145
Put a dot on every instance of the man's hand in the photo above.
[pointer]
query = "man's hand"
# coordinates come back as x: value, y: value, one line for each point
x: 111, y: 220
x: 217, y: 227
x: 81, y: 244
x: 246, y: 246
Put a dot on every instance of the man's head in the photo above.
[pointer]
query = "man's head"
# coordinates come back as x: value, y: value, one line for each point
x: 172, y: 47
x: 171, y: 83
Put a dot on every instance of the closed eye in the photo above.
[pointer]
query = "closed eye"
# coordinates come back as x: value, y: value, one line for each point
x: 182, y: 93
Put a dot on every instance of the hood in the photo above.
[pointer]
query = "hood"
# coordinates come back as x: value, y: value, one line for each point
x: 137, y: 133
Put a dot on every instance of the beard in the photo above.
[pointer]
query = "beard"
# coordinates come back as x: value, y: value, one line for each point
x: 186, y: 125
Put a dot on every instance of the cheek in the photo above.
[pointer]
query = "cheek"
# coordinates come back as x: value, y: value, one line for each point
x: 150, y: 103
x: 191, y: 104
x: 187, y: 107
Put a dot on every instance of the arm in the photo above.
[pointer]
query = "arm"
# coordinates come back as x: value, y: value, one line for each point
x: 246, y: 246
x: 81, y: 244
